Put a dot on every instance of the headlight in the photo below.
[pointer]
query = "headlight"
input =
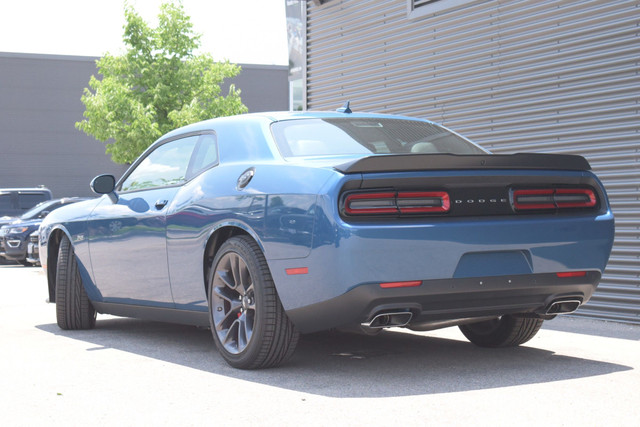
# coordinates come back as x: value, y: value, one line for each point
x: 18, y: 230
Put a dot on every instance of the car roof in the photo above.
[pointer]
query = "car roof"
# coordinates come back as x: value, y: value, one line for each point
x: 276, y: 116
x: 26, y: 190
x: 296, y: 115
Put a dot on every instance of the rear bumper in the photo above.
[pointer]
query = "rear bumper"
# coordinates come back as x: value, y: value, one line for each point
x: 450, y: 256
x: 447, y: 299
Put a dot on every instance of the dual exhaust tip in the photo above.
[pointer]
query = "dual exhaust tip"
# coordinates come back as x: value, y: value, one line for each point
x: 389, y: 319
x: 563, y: 306
x: 402, y: 318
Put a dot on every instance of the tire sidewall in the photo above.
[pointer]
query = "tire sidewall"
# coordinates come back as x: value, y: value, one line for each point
x: 73, y: 306
x: 242, y: 248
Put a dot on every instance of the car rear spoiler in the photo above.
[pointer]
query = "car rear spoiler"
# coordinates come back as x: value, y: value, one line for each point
x: 443, y: 161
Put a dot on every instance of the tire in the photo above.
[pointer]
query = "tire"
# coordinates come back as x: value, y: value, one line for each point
x: 248, y: 322
x: 25, y: 263
x: 73, y: 308
x: 506, y: 331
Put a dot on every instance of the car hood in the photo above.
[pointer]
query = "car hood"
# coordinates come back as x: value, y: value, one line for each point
x: 17, y: 222
x: 7, y: 219
x: 72, y: 211
x: 32, y: 222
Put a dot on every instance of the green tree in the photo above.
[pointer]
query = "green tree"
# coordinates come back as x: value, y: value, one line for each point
x: 157, y: 85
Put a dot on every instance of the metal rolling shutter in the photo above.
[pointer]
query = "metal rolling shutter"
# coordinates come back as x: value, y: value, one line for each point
x: 537, y: 76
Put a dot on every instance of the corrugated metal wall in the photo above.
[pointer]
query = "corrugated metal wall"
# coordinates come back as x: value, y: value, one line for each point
x: 537, y: 76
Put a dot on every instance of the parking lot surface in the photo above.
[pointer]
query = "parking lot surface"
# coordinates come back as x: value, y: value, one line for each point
x: 132, y: 372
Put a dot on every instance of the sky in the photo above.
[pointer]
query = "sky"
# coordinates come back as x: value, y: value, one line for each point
x: 242, y: 31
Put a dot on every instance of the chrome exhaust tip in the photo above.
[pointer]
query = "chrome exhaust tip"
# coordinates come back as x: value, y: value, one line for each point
x: 389, y: 319
x: 563, y: 306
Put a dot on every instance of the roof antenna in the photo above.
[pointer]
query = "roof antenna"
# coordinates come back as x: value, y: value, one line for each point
x: 345, y: 108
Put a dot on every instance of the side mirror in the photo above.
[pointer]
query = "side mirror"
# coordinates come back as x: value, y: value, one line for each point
x: 105, y: 184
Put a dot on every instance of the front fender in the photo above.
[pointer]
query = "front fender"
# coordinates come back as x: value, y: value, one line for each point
x: 50, y: 238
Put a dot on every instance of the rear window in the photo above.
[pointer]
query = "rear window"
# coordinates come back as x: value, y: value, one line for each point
x: 29, y: 200
x: 366, y: 136
x: 5, y: 202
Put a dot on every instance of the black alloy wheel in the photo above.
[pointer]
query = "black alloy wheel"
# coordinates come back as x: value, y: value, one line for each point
x: 249, y: 325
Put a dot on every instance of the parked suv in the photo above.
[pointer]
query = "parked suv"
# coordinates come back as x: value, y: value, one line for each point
x: 16, y: 201
x: 14, y: 237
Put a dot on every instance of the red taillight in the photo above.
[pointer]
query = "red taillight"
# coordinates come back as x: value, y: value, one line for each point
x: 385, y: 203
x: 575, y: 198
x: 533, y: 199
x: 370, y: 203
x: 571, y: 274
x: 553, y: 198
x: 423, y: 202
x: 408, y: 284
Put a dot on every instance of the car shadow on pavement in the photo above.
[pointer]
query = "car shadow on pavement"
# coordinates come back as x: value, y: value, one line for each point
x: 337, y: 364
x: 595, y: 327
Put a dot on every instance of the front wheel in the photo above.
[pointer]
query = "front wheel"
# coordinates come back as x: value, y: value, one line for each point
x: 73, y: 308
x: 505, y: 331
x: 248, y: 322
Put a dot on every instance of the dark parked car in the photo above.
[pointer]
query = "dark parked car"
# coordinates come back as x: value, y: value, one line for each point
x: 16, y: 201
x: 265, y: 226
x: 14, y: 237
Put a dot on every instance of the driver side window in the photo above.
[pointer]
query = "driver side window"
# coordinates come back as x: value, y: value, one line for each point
x: 165, y: 166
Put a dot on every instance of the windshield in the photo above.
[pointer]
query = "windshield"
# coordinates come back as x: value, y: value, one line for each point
x: 366, y: 136
x: 35, y: 211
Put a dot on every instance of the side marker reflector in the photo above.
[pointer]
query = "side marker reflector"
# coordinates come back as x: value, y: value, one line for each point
x: 409, y: 284
x: 572, y: 274
x: 294, y: 271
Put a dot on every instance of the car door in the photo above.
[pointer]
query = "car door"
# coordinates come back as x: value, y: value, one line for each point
x: 188, y: 223
x: 127, y: 239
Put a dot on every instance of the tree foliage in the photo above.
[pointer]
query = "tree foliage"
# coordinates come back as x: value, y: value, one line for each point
x: 157, y: 85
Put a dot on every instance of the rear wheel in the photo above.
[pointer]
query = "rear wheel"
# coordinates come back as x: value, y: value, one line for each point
x: 73, y: 308
x: 505, y: 331
x: 248, y: 322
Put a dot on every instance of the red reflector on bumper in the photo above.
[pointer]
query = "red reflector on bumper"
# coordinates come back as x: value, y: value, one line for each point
x: 409, y: 284
x: 572, y: 274
x: 300, y: 270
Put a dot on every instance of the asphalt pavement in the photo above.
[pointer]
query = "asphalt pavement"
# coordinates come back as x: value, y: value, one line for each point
x: 576, y: 371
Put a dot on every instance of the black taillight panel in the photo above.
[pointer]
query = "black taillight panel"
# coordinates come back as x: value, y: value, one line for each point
x: 557, y: 199
x: 395, y: 203
x: 463, y: 196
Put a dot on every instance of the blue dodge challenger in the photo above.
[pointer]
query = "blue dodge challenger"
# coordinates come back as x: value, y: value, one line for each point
x: 265, y: 226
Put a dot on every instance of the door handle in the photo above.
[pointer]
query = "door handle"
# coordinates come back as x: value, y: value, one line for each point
x: 161, y: 204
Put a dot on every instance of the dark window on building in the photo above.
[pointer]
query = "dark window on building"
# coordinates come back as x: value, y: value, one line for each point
x: 424, y: 8
x: 420, y: 3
